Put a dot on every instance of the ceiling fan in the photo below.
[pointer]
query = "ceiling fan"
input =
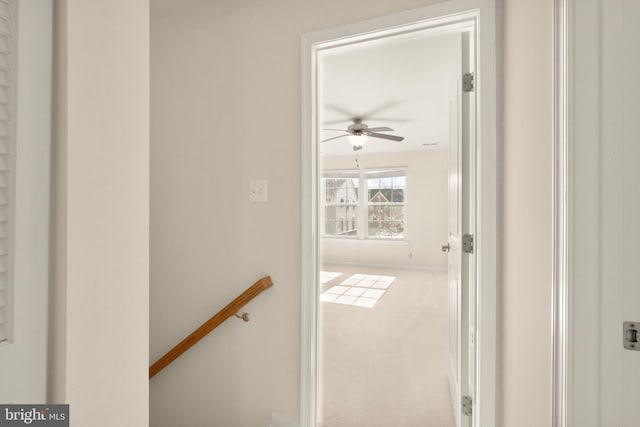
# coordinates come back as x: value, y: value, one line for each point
x: 358, y: 133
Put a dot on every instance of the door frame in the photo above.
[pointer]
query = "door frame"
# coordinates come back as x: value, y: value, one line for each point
x: 576, y: 118
x: 487, y: 167
x: 580, y: 41
x: 560, y: 304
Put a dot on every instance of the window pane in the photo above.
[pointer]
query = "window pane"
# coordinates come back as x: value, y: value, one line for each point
x: 387, y: 189
x: 340, y: 205
x: 341, y: 190
x: 341, y: 220
x: 386, y: 198
x: 386, y: 220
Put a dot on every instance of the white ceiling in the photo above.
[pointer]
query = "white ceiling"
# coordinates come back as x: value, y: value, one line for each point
x: 403, y: 82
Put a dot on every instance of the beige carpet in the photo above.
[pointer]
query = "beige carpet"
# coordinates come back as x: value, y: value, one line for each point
x: 384, y: 366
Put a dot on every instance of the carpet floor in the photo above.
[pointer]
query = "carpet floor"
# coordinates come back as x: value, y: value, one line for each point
x: 383, y: 348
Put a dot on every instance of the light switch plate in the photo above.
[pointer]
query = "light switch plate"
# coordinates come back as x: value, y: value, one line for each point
x: 258, y: 190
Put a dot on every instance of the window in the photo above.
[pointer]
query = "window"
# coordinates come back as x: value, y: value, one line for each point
x: 379, y: 215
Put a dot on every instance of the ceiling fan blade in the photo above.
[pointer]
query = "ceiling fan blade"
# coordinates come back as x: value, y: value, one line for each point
x: 335, y: 137
x: 380, y: 108
x: 387, y: 119
x: 339, y: 110
x: 368, y: 116
x: 338, y: 130
x: 381, y: 129
x: 384, y: 136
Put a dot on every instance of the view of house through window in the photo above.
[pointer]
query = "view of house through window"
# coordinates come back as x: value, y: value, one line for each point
x: 386, y: 192
x: 381, y: 215
x: 341, y: 203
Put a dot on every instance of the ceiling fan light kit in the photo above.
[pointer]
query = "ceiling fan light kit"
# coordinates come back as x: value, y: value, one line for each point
x: 357, y: 140
x: 358, y: 134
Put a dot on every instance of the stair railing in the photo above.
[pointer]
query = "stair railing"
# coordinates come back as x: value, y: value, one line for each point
x: 229, y: 310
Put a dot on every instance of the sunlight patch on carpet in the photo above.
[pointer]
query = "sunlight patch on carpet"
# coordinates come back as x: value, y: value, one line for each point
x: 327, y: 276
x: 361, y: 290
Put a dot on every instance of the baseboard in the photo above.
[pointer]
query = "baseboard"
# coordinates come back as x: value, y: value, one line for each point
x: 395, y: 266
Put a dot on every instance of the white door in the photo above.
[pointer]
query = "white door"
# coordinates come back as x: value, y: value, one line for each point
x: 460, y: 289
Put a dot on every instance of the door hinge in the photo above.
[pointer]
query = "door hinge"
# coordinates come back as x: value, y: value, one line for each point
x: 467, y: 243
x: 467, y: 405
x: 630, y: 335
x: 468, y: 82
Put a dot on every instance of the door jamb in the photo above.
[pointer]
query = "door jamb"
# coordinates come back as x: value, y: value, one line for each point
x: 560, y: 304
x: 487, y: 164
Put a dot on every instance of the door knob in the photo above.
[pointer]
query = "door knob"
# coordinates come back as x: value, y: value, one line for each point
x: 445, y: 248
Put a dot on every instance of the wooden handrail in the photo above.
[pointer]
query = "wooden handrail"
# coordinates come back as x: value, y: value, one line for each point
x: 232, y: 308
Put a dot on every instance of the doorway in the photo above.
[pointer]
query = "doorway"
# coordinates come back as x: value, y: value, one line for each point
x: 390, y: 157
x: 355, y: 222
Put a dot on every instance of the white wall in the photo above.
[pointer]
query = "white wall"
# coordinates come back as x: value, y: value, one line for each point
x: 226, y: 109
x: 525, y: 320
x: 426, y: 213
x: 102, y: 212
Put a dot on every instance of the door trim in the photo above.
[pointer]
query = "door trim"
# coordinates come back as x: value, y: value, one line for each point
x: 580, y: 142
x: 560, y: 305
x: 485, y: 12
